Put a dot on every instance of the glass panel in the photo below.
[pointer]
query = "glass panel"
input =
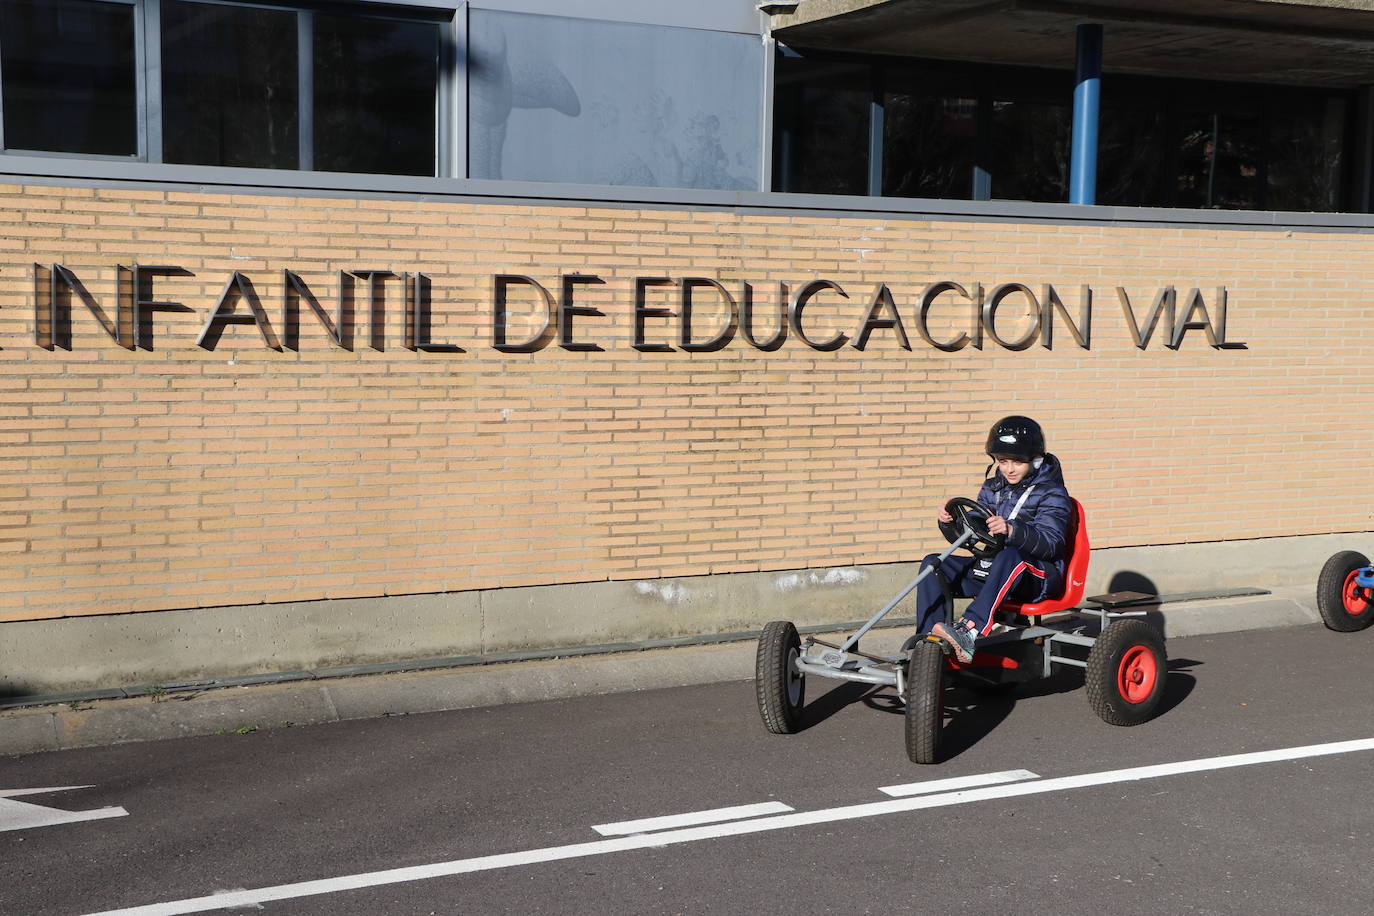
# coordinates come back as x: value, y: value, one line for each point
x: 1030, y: 156
x: 929, y: 146
x: 1130, y: 156
x: 68, y: 74
x: 1305, y: 146
x: 1219, y: 162
x: 229, y: 85
x: 822, y: 111
x: 580, y: 100
x: 376, y: 82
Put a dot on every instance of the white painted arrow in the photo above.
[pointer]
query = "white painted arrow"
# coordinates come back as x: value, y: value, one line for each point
x: 15, y: 815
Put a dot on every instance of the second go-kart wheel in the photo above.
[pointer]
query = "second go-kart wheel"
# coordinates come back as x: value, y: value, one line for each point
x: 1126, y: 671
x: 925, y: 701
x: 1344, y: 606
x: 779, y: 686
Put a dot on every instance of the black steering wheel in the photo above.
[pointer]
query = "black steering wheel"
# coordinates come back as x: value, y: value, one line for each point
x: 971, y: 515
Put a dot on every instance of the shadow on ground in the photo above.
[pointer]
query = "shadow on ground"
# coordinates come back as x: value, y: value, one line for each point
x: 972, y: 714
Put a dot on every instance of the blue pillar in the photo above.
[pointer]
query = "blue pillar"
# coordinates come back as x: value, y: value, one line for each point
x: 1086, y: 92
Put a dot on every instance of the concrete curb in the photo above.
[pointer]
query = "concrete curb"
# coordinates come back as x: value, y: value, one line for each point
x: 249, y: 708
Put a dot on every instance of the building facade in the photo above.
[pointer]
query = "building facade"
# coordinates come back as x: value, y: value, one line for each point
x: 463, y: 330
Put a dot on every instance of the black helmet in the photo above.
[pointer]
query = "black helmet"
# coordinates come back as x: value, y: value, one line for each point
x: 1019, y: 437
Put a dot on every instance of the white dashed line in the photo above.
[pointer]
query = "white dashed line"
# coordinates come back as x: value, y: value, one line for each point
x: 957, y: 782
x: 691, y: 818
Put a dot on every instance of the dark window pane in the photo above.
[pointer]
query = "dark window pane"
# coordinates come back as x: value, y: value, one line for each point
x: 928, y: 146
x: 1219, y: 161
x: 1305, y: 146
x: 375, y: 87
x: 68, y: 74
x: 229, y: 85
x: 1030, y: 155
x: 822, y: 137
x: 1130, y: 156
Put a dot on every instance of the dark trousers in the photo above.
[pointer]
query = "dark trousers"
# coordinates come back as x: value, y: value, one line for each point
x: 1012, y: 577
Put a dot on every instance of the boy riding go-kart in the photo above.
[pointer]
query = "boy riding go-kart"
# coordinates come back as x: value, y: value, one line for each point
x: 1029, y: 513
x: 1029, y: 544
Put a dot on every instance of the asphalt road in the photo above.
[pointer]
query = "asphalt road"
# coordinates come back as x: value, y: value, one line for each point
x: 492, y: 810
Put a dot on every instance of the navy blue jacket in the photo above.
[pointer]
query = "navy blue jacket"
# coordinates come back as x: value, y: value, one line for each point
x: 1040, y: 526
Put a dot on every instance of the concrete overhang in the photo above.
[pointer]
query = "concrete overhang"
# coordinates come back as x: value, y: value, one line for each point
x: 1312, y: 43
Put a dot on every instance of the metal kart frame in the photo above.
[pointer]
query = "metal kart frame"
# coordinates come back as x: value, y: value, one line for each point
x: 1035, y: 649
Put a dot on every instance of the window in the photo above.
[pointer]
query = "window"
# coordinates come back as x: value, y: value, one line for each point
x: 229, y: 86
x: 1030, y: 159
x: 1220, y: 157
x: 1130, y: 169
x: 375, y: 87
x: 1306, y: 160
x: 390, y: 87
x: 960, y: 130
x: 928, y: 145
x: 235, y: 84
x: 68, y: 77
x: 556, y: 98
x: 821, y: 142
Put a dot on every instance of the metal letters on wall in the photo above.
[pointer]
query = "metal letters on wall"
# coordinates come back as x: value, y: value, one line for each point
x: 658, y: 325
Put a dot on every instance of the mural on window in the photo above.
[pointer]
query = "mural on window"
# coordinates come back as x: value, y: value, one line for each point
x: 557, y: 99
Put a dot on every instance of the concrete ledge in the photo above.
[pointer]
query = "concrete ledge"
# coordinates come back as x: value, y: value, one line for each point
x: 225, y: 710
x: 1293, y: 605
x: 45, y: 657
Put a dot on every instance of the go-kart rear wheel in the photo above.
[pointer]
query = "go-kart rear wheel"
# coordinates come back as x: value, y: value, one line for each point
x: 925, y: 701
x: 779, y: 686
x: 1127, y: 667
x: 1344, y: 606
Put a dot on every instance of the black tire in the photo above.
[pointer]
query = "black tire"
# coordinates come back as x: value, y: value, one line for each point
x: 1127, y: 668
x: 925, y: 701
x: 779, y: 686
x: 1344, y: 607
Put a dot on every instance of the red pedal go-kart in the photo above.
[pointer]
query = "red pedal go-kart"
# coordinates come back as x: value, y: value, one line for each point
x: 1345, y: 592
x: 1122, y: 656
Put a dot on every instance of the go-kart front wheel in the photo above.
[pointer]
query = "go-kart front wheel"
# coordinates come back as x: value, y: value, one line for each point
x: 925, y: 700
x: 1344, y: 606
x: 779, y: 686
x: 1127, y: 667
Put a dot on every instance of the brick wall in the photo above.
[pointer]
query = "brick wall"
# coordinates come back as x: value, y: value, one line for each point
x: 172, y: 475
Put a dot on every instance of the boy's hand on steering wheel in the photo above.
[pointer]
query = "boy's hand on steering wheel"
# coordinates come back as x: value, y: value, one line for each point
x: 944, y: 516
x: 999, y: 525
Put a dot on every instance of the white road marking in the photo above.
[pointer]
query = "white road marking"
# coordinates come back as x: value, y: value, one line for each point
x: 24, y: 815
x: 956, y: 782
x: 691, y: 818
x: 735, y: 828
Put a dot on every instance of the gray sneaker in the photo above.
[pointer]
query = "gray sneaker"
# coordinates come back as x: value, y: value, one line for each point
x: 960, y: 637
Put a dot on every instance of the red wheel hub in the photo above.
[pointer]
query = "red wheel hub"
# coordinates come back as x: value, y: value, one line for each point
x: 1135, y: 678
x: 1355, y: 599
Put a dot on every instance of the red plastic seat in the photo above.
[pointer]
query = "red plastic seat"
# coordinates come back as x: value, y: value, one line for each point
x: 1075, y: 574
